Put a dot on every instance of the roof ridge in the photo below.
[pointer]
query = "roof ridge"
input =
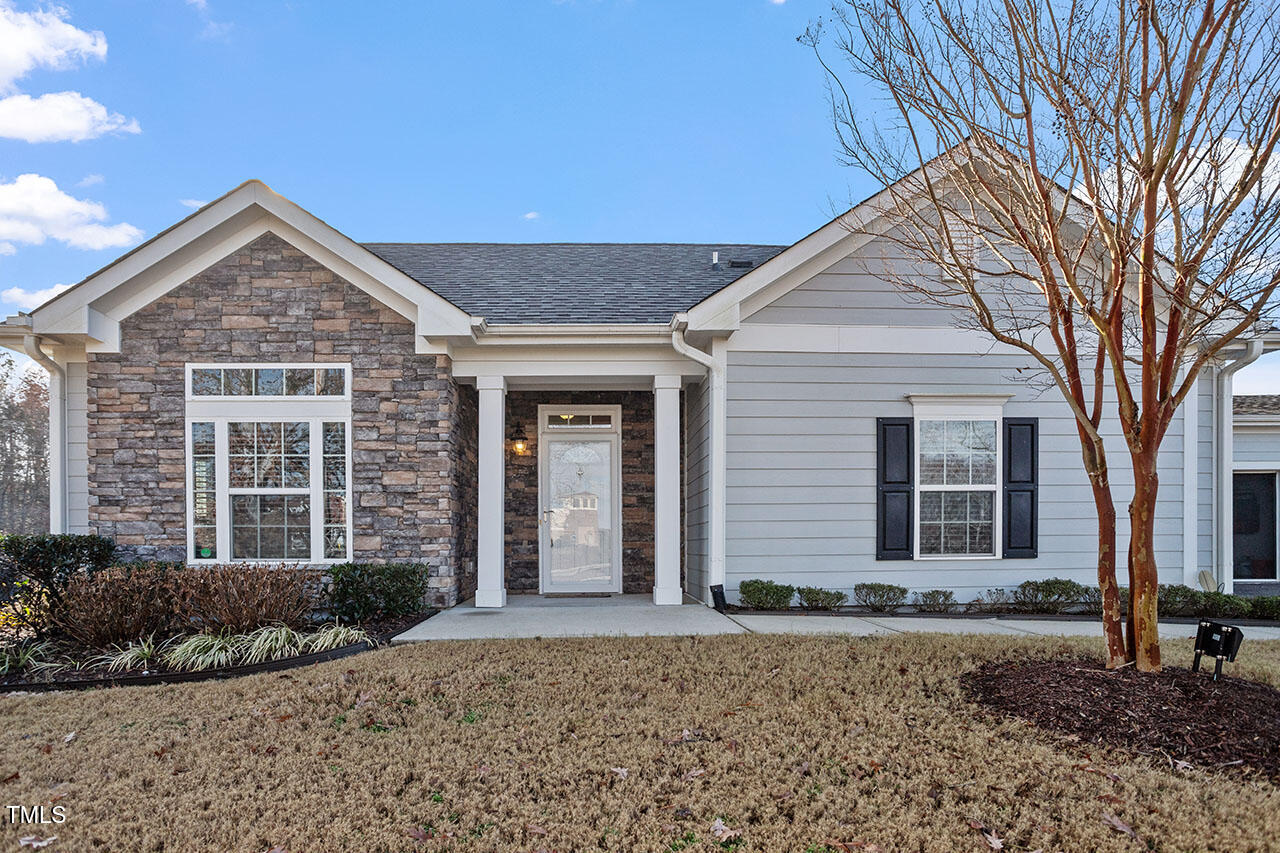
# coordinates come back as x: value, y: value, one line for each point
x: 570, y: 243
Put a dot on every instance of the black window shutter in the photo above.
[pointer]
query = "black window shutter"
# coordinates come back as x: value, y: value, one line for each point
x: 1021, y: 473
x: 894, y: 466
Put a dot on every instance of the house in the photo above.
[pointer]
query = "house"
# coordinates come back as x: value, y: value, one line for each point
x: 251, y: 384
x: 1255, y: 466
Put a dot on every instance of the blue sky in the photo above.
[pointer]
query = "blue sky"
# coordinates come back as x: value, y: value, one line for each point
x: 524, y: 120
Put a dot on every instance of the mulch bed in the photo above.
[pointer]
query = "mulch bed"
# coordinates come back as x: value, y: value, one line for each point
x: 1182, y: 716
x: 380, y: 631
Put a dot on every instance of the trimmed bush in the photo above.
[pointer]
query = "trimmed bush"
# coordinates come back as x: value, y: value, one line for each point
x: 1093, y: 600
x: 34, y: 571
x: 816, y: 598
x: 765, y: 595
x: 1052, y: 595
x: 358, y: 592
x: 1179, y: 600
x: 934, y: 601
x: 880, y: 597
x: 240, y: 597
x: 1265, y: 607
x: 122, y: 604
x: 992, y: 601
x: 1220, y: 605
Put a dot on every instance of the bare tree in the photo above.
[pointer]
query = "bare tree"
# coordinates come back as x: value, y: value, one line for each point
x: 24, y: 450
x: 1089, y: 183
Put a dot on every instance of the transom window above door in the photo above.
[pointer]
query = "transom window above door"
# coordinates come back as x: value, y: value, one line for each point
x: 579, y: 420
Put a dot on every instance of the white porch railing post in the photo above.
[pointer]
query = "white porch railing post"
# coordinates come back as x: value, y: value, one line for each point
x: 491, y: 588
x: 666, y: 490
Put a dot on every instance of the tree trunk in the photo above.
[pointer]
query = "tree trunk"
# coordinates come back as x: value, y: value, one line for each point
x: 1144, y: 638
x: 1112, y: 621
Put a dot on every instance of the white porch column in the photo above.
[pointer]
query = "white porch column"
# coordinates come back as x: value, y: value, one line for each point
x: 491, y: 588
x: 666, y: 490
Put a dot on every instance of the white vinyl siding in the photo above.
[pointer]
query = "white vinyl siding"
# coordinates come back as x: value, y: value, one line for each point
x: 697, y: 401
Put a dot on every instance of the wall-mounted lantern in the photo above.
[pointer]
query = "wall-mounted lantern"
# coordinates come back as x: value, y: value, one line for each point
x: 1218, y: 641
x: 519, y: 441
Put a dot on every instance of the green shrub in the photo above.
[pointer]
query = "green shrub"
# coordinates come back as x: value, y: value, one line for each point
x: 880, y: 597
x: 121, y: 605
x: 358, y: 592
x: 1179, y: 600
x: 1220, y: 605
x: 1052, y: 595
x: 816, y: 598
x: 765, y: 595
x: 934, y: 601
x: 34, y: 571
x: 1265, y: 607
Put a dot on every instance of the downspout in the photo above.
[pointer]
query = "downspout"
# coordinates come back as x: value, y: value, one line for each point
x: 57, y: 432
x: 1225, y: 451
x: 716, y: 501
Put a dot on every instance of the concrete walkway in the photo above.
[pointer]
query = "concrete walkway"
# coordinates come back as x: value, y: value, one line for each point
x: 528, y: 616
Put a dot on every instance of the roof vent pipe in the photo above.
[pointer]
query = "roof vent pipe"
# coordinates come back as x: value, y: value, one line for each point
x: 715, y: 260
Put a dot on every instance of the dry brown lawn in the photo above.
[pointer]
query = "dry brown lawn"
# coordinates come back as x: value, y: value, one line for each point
x: 796, y: 743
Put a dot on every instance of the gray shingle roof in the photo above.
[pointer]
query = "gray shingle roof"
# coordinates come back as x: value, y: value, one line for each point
x: 573, y: 282
x: 1256, y: 404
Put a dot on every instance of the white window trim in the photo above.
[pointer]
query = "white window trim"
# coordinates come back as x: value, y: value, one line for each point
x: 220, y: 411
x: 958, y: 407
x: 345, y: 367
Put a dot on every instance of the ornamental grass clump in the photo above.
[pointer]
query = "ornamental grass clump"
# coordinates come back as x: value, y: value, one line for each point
x: 143, y: 654
x: 207, y: 651
x: 880, y: 597
x: 765, y: 595
x: 816, y: 598
x: 333, y: 636
x: 271, y: 642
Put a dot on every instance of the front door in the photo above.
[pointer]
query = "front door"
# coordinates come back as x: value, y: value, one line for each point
x: 580, y: 497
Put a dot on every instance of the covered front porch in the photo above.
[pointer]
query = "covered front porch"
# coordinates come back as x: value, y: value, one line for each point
x: 579, y: 461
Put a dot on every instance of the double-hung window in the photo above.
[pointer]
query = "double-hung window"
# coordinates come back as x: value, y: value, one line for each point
x: 957, y: 468
x: 269, y: 451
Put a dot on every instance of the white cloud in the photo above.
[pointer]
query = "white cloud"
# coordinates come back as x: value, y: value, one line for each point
x: 212, y: 29
x: 193, y: 203
x: 8, y: 249
x: 777, y: 2
x: 59, y: 117
x: 28, y: 299
x: 90, y: 180
x: 533, y: 214
x: 33, y: 210
x: 42, y: 39
x: 202, y: 5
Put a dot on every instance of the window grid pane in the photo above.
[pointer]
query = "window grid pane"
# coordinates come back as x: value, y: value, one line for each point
x: 957, y: 453
x: 335, y: 490
x: 204, y: 492
x: 268, y: 381
x: 270, y: 527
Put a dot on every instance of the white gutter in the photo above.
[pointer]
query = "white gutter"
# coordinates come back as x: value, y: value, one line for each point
x: 57, y: 432
x: 716, y: 502
x: 1224, y: 499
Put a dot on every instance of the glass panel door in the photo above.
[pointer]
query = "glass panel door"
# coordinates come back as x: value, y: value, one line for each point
x: 1254, y: 527
x: 578, y: 509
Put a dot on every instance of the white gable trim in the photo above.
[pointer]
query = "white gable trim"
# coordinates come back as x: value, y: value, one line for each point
x: 95, y: 307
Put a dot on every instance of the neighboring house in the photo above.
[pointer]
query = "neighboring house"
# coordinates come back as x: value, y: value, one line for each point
x: 253, y: 385
x: 1256, y: 465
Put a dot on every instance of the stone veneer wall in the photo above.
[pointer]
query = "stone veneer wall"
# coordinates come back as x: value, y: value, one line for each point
x: 270, y: 302
x: 466, y: 487
x: 637, y: 485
